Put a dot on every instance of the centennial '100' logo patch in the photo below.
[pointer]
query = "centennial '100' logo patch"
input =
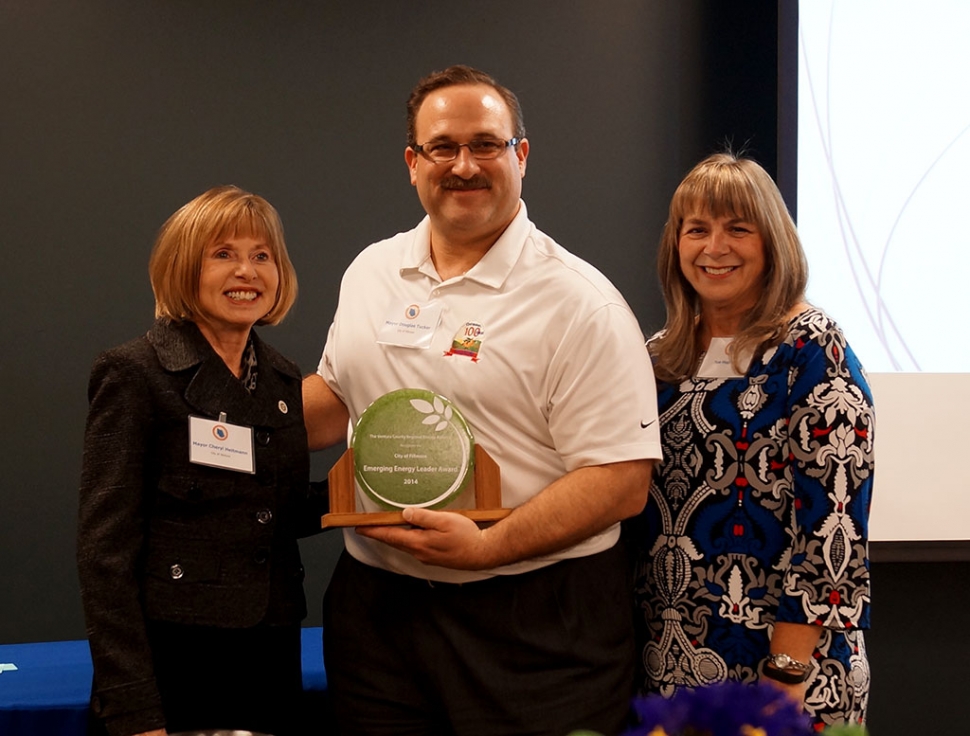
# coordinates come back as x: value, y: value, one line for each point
x: 468, y: 341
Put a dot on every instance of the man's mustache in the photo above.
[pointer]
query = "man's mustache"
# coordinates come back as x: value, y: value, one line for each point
x: 456, y: 182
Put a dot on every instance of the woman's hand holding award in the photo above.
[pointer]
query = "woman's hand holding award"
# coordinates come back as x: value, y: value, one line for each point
x: 412, y: 448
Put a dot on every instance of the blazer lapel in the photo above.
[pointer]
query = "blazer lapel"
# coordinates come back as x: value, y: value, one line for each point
x: 213, y: 389
x: 279, y: 380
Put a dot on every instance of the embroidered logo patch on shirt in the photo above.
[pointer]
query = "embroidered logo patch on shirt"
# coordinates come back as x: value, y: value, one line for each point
x: 467, y: 341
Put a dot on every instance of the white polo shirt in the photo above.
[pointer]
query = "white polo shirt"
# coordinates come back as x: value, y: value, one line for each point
x: 561, y: 378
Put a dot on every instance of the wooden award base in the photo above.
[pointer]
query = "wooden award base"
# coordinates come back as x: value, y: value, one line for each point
x: 343, y: 509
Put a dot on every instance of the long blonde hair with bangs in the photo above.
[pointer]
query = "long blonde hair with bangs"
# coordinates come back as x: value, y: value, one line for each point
x: 725, y: 184
x: 175, y: 264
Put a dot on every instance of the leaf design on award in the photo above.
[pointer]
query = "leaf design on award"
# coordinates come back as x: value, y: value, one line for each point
x: 434, y: 412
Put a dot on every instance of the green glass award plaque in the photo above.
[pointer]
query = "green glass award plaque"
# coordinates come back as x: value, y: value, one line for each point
x: 412, y: 448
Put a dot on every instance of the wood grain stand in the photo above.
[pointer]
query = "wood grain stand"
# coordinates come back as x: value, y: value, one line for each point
x: 343, y: 508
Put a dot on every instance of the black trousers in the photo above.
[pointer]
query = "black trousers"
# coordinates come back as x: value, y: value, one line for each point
x: 232, y: 679
x: 540, y: 653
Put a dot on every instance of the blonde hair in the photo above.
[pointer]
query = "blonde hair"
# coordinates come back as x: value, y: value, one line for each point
x: 175, y: 264
x: 727, y: 185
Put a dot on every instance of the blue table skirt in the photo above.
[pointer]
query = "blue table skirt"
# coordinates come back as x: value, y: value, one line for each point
x: 48, y: 691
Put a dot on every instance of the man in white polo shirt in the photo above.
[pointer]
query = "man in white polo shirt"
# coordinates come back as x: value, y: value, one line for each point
x: 524, y: 626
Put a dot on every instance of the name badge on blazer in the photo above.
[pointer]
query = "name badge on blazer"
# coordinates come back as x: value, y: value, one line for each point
x: 220, y: 444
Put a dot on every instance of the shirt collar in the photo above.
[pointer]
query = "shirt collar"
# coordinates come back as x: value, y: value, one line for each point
x: 494, y: 267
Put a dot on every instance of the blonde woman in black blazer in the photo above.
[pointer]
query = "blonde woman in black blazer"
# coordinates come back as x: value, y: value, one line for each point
x: 187, y: 539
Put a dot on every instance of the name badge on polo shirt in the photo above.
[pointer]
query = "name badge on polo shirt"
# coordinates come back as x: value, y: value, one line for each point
x: 220, y: 444
x: 410, y: 325
x: 717, y: 362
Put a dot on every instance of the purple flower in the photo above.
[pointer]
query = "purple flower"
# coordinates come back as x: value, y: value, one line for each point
x: 726, y: 709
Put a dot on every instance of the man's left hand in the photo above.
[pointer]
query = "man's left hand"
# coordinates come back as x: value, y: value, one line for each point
x: 438, y: 538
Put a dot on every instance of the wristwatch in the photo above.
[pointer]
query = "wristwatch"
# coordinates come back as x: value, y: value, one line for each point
x: 783, y: 668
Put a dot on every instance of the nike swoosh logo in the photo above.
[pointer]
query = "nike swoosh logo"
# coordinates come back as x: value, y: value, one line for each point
x: 644, y: 426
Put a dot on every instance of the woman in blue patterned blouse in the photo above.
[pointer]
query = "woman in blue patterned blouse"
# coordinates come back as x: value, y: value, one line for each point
x: 752, y: 560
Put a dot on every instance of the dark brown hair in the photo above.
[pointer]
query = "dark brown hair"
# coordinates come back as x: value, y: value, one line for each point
x: 458, y: 75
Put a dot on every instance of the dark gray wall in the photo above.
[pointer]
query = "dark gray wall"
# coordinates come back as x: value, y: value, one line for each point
x: 919, y: 683
x: 116, y: 113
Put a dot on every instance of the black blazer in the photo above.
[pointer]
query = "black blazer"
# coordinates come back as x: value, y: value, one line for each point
x: 160, y: 538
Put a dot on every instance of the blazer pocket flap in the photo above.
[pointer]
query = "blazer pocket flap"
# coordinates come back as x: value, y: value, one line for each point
x: 198, y: 488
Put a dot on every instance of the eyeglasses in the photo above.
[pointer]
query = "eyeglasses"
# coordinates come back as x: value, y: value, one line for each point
x: 484, y: 149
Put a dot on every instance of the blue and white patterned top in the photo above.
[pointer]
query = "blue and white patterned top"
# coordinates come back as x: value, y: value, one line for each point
x: 759, y: 513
